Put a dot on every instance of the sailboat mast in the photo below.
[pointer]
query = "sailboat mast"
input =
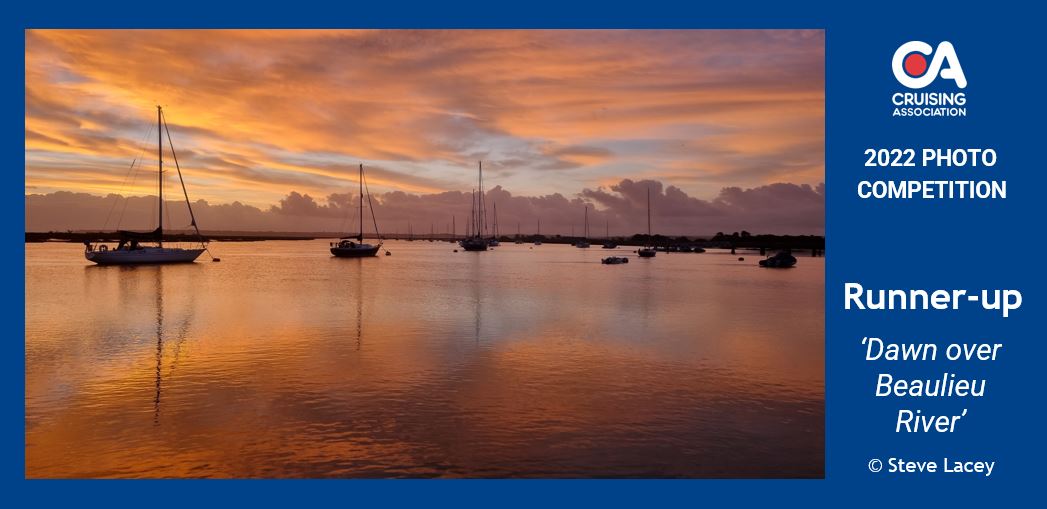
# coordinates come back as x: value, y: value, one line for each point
x: 481, y: 210
x: 586, y: 230
x: 360, y: 238
x: 160, y: 174
x: 648, y: 213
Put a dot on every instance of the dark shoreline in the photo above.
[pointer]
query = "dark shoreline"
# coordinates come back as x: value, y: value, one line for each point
x: 732, y: 241
x: 79, y: 237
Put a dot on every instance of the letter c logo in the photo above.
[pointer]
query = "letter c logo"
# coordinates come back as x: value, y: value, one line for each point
x: 912, y: 70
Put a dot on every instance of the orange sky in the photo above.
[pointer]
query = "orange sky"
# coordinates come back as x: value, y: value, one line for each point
x: 256, y: 114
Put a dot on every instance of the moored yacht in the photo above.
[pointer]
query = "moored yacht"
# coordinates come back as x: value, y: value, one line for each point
x: 493, y: 242
x: 584, y: 242
x: 608, y: 244
x: 129, y: 250
x: 647, y: 251
x: 355, y: 247
x: 474, y: 240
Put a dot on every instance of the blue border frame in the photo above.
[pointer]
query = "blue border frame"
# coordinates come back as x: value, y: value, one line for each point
x: 856, y: 40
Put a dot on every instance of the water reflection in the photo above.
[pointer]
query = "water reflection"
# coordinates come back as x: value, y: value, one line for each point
x: 476, y: 282
x: 159, y: 343
x: 284, y: 362
x: 182, y: 332
x: 359, y: 312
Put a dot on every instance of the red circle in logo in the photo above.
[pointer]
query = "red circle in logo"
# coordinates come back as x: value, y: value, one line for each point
x: 915, y: 64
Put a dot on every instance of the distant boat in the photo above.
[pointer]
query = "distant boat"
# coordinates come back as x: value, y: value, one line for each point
x: 474, y: 240
x: 648, y: 251
x: 781, y: 260
x: 473, y: 244
x: 346, y: 247
x: 607, y: 233
x: 129, y: 250
x: 518, y: 239
x: 538, y: 235
x: 493, y: 242
x: 584, y: 243
x: 614, y: 260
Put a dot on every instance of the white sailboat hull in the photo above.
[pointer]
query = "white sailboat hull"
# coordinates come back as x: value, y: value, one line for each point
x: 147, y: 255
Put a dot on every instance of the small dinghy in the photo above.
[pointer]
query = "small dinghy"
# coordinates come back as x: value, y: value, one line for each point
x: 781, y: 260
x: 614, y: 260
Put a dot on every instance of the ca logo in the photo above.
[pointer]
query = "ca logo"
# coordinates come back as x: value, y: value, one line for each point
x: 911, y: 68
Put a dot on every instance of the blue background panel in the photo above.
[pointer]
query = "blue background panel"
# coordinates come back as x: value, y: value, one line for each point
x: 969, y: 245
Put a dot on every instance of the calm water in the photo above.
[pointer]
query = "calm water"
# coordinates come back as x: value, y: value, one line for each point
x: 282, y: 361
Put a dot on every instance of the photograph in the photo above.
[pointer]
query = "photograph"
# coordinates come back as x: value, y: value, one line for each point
x: 422, y: 253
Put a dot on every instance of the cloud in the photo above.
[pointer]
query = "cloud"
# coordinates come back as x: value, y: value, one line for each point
x: 254, y: 113
x: 621, y: 208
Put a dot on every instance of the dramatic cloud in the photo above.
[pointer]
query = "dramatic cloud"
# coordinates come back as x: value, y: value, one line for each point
x: 775, y: 208
x: 256, y: 114
x: 269, y: 126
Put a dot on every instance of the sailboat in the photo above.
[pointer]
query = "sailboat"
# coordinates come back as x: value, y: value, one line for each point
x: 538, y: 234
x: 474, y: 240
x: 647, y: 251
x: 607, y: 233
x: 345, y: 247
x: 584, y: 243
x: 129, y: 250
x: 494, y: 240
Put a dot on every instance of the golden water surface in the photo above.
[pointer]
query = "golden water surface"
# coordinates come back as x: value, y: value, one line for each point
x: 534, y: 361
